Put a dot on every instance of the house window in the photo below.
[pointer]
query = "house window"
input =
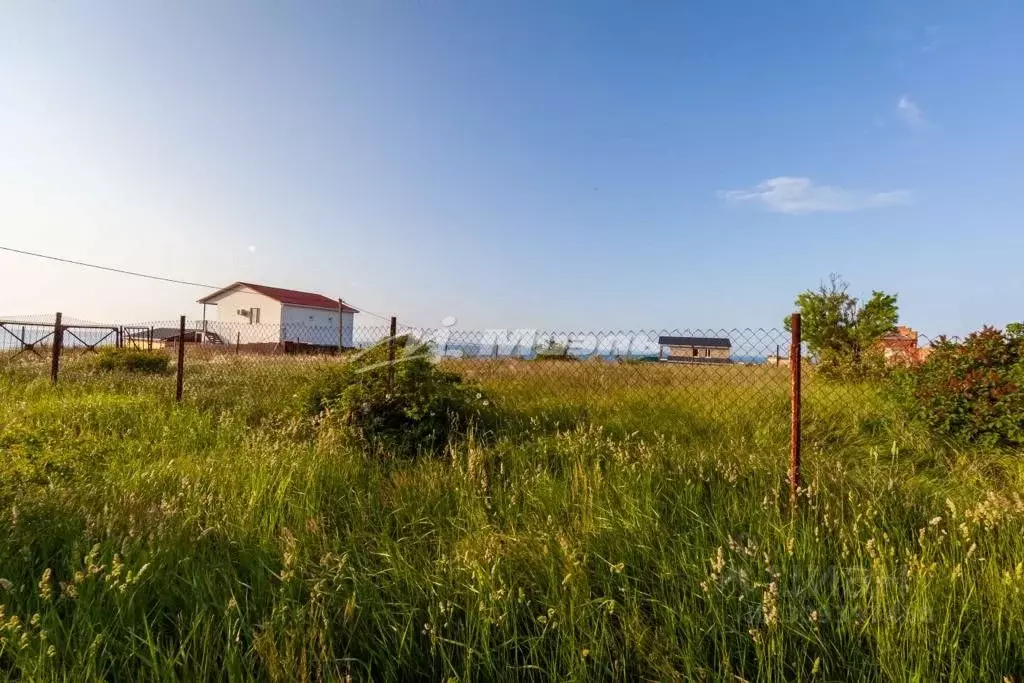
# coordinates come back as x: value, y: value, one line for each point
x: 254, y: 316
x: 696, y: 352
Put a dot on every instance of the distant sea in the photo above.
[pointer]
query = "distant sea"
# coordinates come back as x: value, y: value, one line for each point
x: 470, y: 350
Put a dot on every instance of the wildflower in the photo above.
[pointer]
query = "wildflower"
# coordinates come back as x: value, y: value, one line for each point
x: 935, y: 521
x: 718, y: 564
x: 814, y: 616
x: 770, y: 605
x: 46, y: 585
x: 5, y: 585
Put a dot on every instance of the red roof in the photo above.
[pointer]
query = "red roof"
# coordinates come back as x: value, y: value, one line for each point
x: 285, y: 296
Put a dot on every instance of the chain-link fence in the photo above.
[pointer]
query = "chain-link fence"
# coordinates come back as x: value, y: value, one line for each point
x: 681, y: 373
x: 736, y: 386
x: 628, y: 380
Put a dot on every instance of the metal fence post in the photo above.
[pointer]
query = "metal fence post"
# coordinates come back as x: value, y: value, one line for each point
x: 341, y: 324
x: 150, y: 340
x: 794, y: 429
x: 58, y: 342
x: 391, y: 354
x: 238, y: 342
x: 181, y: 359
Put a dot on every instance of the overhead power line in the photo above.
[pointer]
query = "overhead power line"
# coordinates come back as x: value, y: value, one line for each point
x: 107, y: 268
x: 133, y: 273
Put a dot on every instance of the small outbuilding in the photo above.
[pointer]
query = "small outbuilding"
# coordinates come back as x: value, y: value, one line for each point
x: 695, y: 349
x: 161, y: 338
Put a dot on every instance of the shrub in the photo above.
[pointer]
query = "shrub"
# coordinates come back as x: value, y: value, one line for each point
x: 422, y: 410
x: 133, y: 360
x: 552, y: 350
x: 973, y: 389
x: 864, y: 365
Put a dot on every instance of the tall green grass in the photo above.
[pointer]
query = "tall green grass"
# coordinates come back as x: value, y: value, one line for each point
x: 617, y: 527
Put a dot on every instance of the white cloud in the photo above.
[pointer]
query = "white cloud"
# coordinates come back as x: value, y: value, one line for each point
x: 795, y: 196
x: 908, y: 112
x: 252, y: 249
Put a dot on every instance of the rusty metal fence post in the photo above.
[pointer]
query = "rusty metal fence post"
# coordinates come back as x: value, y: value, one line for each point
x: 794, y: 430
x: 58, y: 343
x: 181, y: 359
x: 391, y: 354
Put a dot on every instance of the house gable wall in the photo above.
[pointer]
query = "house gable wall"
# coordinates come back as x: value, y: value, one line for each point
x: 233, y: 327
x: 245, y: 298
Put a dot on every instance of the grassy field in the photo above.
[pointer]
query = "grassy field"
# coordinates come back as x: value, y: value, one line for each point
x: 627, y: 521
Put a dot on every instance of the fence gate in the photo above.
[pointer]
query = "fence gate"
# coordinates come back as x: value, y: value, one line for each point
x: 25, y: 340
x: 137, y: 337
x: 88, y: 337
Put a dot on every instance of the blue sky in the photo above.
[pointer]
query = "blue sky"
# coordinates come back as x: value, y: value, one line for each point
x: 599, y: 165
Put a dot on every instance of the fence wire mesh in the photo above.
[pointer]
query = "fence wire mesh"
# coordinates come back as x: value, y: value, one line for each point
x: 625, y: 379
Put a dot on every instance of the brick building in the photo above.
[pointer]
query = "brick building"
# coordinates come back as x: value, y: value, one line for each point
x: 901, y: 347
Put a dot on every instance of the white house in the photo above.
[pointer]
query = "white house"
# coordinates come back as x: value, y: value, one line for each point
x: 256, y: 314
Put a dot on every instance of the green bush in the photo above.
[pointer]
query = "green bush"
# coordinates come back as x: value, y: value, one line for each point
x: 853, y: 367
x: 422, y: 410
x: 133, y: 360
x: 972, y: 389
